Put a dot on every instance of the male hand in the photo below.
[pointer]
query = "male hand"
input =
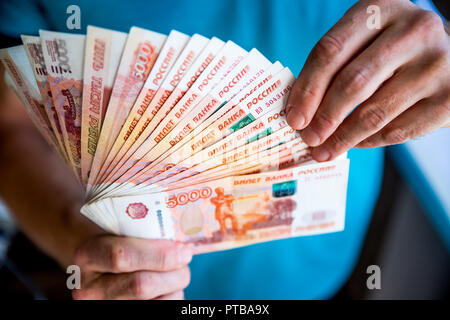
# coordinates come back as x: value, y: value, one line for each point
x: 115, y: 267
x: 398, y: 76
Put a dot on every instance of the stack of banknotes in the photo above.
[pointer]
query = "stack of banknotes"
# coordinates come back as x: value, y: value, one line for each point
x: 177, y: 137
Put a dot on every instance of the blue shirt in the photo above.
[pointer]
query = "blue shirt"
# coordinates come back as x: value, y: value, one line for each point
x: 307, y: 267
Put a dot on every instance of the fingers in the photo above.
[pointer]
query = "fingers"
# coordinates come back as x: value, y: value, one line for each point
x: 141, y: 285
x: 179, y: 295
x: 349, y: 36
x: 123, y: 254
x: 131, y: 268
x: 359, y: 80
x: 424, y: 117
x: 404, y: 89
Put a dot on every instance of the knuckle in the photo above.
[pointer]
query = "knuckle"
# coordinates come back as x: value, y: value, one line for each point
x: 324, y: 122
x: 140, y: 285
x: 118, y: 258
x: 430, y: 26
x: 327, y: 49
x: 430, y: 21
x: 353, y: 81
x: 396, y: 136
x: 372, y: 119
x: 307, y: 91
x: 338, y: 143
x: 161, y: 258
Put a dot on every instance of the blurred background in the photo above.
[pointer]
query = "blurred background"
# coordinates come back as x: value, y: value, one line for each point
x: 408, y: 238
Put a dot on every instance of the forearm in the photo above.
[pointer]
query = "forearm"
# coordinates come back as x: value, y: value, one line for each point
x: 42, y: 193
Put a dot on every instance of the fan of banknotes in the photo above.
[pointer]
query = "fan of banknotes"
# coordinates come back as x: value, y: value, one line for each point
x: 177, y: 137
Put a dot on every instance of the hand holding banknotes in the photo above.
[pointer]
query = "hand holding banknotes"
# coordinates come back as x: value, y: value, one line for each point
x: 232, y: 172
x: 131, y: 268
x: 399, y: 75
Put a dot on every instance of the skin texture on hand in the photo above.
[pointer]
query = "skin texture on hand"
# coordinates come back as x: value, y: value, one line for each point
x: 130, y: 268
x: 398, y: 76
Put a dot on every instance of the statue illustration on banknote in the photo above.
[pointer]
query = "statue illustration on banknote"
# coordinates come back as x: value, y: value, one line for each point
x: 224, y: 210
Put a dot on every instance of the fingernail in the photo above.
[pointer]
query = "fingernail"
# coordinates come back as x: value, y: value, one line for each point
x: 185, y: 254
x: 295, y: 118
x: 310, y: 137
x: 321, y: 154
